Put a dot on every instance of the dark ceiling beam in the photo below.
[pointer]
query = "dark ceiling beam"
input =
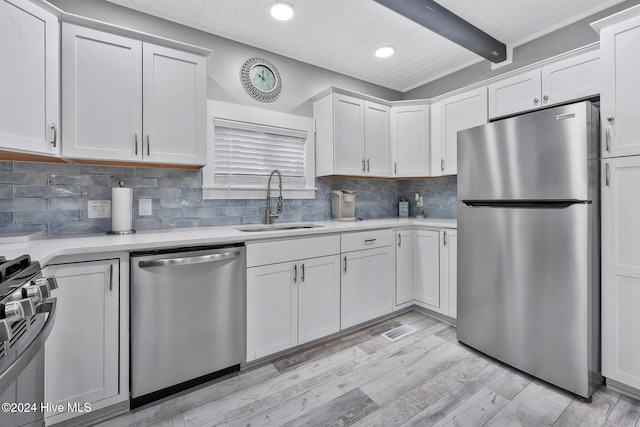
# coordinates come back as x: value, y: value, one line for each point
x: 441, y: 21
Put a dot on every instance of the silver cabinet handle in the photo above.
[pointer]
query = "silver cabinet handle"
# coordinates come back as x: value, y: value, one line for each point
x: 148, y: 152
x: 395, y: 168
x: 611, y: 119
x: 295, y: 273
x: 363, y: 169
x: 110, y: 277
x: 302, y: 273
x: 535, y: 100
x: 399, y: 239
x: 167, y: 262
x: 369, y: 241
x: 545, y: 98
x: 444, y: 237
x: 345, y: 264
x: 54, y: 135
x: 367, y: 165
x: 442, y: 165
x: 607, y: 174
x: 607, y: 140
x: 135, y: 138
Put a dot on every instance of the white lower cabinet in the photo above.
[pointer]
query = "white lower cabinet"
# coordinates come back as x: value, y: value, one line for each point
x: 621, y: 270
x: 292, y: 302
x: 367, y: 277
x: 426, y: 269
x: 449, y: 268
x: 427, y: 262
x: 405, y: 268
x: 82, y: 354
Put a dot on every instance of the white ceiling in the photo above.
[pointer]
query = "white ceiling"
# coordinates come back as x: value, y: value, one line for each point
x: 341, y: 35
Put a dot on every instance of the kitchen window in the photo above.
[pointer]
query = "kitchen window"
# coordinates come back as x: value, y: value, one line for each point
x: 246, y: 144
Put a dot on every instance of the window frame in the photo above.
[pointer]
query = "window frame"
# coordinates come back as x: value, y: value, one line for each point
x: 262, y: 119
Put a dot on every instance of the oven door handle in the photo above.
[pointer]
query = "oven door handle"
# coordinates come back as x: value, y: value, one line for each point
x: 11, y: 373
x: 202, y: 259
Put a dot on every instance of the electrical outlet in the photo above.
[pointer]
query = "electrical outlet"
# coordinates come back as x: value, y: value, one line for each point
x: 99, y: 208
x: 144, y: 207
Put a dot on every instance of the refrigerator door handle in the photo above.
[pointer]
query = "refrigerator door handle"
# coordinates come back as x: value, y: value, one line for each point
x: 524, y: 204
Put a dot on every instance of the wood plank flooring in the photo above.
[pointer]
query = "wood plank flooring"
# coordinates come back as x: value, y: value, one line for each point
x: 365, y: 380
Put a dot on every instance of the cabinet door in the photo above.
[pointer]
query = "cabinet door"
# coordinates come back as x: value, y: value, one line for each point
x: 515, y: 94
x: 573, y: 78
x: 82, y: 352
x: 29, y: 104
x: 101, y: 95
x: 459, y: 112
x: 427, y: 289
x: 410, y: 141
x: 621, y: 270
x: 449, y: 270
x: 405, y: 267
x: 272, y: 309
x: 620, y: 89
x: 376, y: 139
x: 319, y: 298
x: 348, y: 135
x: 175, y: 93
x: 367, y: 285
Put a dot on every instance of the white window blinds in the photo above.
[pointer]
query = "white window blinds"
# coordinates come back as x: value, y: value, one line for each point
x: 246, y: 153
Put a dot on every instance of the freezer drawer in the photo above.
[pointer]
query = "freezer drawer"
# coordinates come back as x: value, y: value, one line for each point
x: 547, y: 155
x: 528, y: 290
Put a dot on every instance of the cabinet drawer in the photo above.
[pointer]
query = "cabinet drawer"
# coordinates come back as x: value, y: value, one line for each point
x: 263, y: 253
x: 366, y: 240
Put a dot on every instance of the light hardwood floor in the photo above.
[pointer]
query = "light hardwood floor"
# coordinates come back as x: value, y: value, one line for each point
x: 364, y: 379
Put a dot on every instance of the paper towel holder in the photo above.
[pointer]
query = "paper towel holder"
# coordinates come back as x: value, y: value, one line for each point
x: 121, y: 232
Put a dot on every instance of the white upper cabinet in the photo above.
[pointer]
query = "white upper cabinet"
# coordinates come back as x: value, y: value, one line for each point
x: 572, y: 78
x: 127, y: 100
x: 175, y: 105
x: 448, y: 116
x: 348, y: 136
x: 410, y: 140
x: 377, y: 148
x: 352, y: 136
x: 101, y: 95
x: 29, y: 104
x: 515, y: 94
x: 620, y: 88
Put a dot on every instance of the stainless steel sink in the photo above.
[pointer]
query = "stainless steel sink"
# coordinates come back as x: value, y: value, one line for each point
x: 276, y: 227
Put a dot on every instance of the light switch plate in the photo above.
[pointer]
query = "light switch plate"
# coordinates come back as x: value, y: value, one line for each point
x: 144, y: 207
x: 99, y: 208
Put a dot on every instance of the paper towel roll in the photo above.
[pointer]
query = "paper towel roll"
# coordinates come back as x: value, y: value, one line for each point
x: 121, y: 204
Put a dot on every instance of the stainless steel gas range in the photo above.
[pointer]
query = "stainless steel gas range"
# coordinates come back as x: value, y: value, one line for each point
x: 27, y: 313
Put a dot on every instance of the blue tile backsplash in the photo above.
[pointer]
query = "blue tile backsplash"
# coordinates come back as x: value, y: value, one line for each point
x: 52, y: 198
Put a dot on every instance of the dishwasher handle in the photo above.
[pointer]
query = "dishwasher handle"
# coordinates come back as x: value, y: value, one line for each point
x: 202, y: 259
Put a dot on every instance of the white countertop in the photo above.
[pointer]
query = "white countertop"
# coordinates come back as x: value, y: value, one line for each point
x: 46, y: 249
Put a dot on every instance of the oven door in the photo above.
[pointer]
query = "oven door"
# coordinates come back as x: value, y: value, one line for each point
x: 22, y: 377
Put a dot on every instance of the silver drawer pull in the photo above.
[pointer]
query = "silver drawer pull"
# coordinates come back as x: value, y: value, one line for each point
x: 369, y: 241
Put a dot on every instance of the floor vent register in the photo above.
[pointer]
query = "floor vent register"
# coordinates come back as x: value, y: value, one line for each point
x: 400, y: 332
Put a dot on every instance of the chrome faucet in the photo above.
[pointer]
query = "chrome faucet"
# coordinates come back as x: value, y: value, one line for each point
x: 268, y: 214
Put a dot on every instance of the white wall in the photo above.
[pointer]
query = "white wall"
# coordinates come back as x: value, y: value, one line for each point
x: 300, y: 81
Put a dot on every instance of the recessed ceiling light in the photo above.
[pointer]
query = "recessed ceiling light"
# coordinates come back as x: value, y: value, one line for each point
x: 384, y: 51
x: 282, y: 11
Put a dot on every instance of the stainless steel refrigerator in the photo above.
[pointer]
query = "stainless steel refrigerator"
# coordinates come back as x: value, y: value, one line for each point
x: 528, y: 244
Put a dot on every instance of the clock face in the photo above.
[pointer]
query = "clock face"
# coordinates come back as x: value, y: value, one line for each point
x: 263, y: 78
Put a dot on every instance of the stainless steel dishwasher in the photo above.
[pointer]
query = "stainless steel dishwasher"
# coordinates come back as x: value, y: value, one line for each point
x: 187, y: 318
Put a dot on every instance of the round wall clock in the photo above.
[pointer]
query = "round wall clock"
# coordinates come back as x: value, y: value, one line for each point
x: 261, y: 80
